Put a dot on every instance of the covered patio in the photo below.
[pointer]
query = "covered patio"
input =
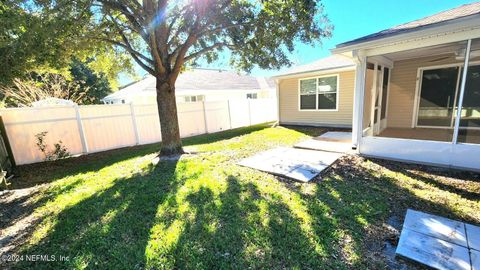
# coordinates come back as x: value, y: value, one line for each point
x: 415, y: 94
x: 417, y: 91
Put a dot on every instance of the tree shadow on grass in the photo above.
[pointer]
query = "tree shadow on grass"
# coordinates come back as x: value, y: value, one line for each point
x: 46, y: 172
x: 440, y: 178
x: 360, y: 203
x: 111, y: 228
x: 230, y: 231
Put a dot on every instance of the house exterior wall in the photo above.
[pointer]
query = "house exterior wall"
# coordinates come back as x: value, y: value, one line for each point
x: 403, y: 84
x: 290, y: 112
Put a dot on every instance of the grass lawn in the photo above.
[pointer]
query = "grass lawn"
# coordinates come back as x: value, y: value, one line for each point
x: 115, y: 210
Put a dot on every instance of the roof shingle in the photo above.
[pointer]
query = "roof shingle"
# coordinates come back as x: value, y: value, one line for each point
x: 330, y: 62
x: 451, y: 14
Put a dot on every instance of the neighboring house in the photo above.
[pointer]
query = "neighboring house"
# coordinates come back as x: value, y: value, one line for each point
x: 51, y: 101
x: 412, y: 98
x: 198, y: 85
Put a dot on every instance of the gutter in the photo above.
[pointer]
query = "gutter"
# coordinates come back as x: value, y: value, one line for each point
x: 451, y: 26
x: 327, y: 70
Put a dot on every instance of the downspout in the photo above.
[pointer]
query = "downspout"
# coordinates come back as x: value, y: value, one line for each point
x: 277, y: 93
x: 359, y: 96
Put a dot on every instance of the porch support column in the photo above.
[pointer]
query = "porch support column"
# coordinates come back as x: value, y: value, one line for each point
x: 358, y: 99
x: 462, y: 92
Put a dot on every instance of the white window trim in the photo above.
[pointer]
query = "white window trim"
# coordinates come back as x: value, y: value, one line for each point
x: 317, y: 93
x: 418, y: 89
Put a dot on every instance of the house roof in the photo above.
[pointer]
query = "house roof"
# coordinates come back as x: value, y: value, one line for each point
x: 463, y: 11
x: 331, y: 62
x: 198, y: 79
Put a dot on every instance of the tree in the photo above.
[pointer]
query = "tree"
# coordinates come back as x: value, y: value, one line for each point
x: 97, y: 83
x: 43, y: 36
x: 163, y: 36
x: 24, y: 92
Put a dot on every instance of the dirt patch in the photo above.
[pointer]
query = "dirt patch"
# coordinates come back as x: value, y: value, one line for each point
x: 17, y: 217
x: 381, y: 239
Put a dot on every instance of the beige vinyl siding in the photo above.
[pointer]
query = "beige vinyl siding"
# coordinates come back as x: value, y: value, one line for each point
x: 290, y: 112
x: 402, y: 88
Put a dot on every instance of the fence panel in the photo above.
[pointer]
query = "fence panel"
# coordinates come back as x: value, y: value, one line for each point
x: 107, y: 126
x: 217, y: 116
x: 191, y: 119
x: 239, y: 114
x: 93, y: 128
x: 262, y: 110
x: 22, y: 124
x: 148, y: 125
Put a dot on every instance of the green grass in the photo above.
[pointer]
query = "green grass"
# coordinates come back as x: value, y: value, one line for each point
x: 115, y: 210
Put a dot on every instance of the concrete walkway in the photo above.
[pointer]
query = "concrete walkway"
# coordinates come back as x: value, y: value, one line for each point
x: 306, y: 160
x: 333, y: 141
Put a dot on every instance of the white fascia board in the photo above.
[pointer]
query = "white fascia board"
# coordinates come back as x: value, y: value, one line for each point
x: 206, y: 92
x: 468, y: 27
x: 313, y: 73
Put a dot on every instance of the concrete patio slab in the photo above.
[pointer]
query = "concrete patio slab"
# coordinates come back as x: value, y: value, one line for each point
x: 475, y: 259
x: 439, y: 242
x: 473, y: 237
x: 299, y: 164
x: 433, y: 252
x: 338, y: 136
x: 443, y: 228
x: 340, y: 142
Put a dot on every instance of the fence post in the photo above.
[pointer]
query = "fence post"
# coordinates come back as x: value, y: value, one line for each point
x: 229, y: 113
x: 134, y: 122
x: 249, y: 113
x: 80, y: 130
x: 205, y: 116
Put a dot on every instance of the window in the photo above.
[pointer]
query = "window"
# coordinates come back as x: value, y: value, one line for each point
x: 252, y: 96
x: 198, y: 98
x: 319, y: 93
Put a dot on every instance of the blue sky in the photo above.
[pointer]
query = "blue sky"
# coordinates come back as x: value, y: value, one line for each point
x: 355, y: 18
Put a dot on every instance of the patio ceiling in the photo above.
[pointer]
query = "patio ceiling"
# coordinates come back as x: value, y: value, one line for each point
x: 443, y: 50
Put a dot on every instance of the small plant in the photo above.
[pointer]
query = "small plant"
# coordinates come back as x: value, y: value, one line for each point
x: 60, y: 151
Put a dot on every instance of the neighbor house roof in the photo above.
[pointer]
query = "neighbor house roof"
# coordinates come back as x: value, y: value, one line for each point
x: 463, y: 11
x: 327, y: 63
x: 199, y: 79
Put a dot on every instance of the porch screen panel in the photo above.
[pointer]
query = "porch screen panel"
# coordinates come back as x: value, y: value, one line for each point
x: 469, y: 131
x: 386, y: 75
x: 437, y: 97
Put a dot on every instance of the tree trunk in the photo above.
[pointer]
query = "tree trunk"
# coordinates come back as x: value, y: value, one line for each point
x: 167, y: 111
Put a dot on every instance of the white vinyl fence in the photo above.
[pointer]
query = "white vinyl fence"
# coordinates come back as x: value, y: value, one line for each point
x: 94, y: 128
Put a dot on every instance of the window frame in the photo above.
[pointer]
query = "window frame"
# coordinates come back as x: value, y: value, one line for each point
x: 191, y: 97
x: 318, y: 93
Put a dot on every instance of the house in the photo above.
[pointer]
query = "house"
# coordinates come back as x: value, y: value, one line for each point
x: 198, y: 84
x: 413, y: 90
x: 51, y: 101
x: 332, y: 79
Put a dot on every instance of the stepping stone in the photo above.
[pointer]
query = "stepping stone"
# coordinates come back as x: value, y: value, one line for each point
x: 340, y: 142
x: 433, y: 252
x: 475, y: 259
x: 338, y: 135
x: 443, y: 228
x: 299, y: 164
x: 473, y: 236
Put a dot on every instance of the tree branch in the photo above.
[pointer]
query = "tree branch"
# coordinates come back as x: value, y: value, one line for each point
x: 205, y: 50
